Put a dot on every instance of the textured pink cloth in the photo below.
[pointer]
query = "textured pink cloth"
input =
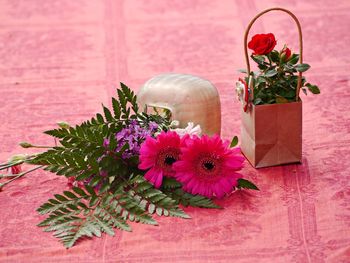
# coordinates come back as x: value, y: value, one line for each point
x: 60, y: 59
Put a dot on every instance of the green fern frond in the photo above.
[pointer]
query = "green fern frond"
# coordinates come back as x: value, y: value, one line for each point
x: 155, y: 200
x: 170, y: 183
x: 83, y: 212
x: 87, y: 227
x: 187, y: 199
x: 69, y: 162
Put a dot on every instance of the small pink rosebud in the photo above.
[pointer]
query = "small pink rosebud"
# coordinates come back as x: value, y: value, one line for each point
x: 17, y: 169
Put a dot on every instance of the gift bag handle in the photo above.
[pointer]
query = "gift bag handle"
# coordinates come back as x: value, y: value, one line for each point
x: 300, y: 44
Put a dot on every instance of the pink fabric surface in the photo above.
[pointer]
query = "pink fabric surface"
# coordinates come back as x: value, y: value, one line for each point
x: 60, y: 59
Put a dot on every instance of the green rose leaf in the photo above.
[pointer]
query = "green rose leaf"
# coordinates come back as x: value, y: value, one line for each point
x: 294, y: 59
x: 274, y: 55
x: 260, y: 80
x: 234, y: 142
x: 242, y: 183
x: 262, y: 67
x: 270, y: 73
x: 258, y: 101
x: 302, y: 67
x: 289, y: 68
x: 313, y: 88
x: 259, y: 59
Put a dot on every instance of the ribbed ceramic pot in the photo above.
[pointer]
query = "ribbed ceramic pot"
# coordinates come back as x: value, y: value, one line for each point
x: 189, y: 98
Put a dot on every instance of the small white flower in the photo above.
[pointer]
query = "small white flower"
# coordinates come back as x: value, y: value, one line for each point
x: 240, y: 90
x: 190, y: 130
x: 174, y: 124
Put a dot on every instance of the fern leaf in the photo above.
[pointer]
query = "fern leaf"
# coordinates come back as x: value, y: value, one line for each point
x: 87, y: 228
x: 157, y: 200
x: 170, y: 183
x: 108, y: 114
x: 178, y: 212
x: 187, y: 199
x: 108, y: 214
x: 104, y: 225
x: 116, y: 108
x: 130, y: 209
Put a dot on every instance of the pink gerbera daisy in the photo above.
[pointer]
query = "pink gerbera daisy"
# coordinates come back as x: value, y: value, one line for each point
x: 158, y: 155
x: 208, y: 167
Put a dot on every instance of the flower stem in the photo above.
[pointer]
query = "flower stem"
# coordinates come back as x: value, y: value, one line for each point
x: 8, y: 165
x: 269, y: 58
x: 20, y: 175
x: 29, y: 145
x: 7, y: 175
x: 16, y: 162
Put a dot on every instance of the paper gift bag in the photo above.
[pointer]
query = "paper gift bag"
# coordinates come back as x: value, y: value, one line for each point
x: 272, y: 134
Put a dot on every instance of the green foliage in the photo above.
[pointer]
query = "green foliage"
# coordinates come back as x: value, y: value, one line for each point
x: 114, y: 191
x: 302, y: 67
x: 173, y: 189
x: 82, y: 212
x: 159, y: 202
x: 86, y: 212
x: 234, y: 142
x: 312, y: 88
x: 187, y: 199
x: 242, y: 183
x: 277, y: 79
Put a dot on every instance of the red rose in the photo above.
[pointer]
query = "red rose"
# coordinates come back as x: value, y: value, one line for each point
x: 286, y: 53
x: 262, y: 44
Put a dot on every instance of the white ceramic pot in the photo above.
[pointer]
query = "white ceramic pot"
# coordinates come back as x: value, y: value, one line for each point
x: 189, y: 98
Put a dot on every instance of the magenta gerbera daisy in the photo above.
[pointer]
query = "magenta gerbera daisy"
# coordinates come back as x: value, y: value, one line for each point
x: 208, y: 167
x: 158, y: 155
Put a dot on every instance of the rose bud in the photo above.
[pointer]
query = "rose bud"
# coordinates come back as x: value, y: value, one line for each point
x: 286, y: 54
x: 262, y: 44
x: 17, y: 169
x: 63, y: 125
x: 25, y: 145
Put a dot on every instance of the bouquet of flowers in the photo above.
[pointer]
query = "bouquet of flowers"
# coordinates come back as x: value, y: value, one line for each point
x: 125, y: 165
x: 277, y: 79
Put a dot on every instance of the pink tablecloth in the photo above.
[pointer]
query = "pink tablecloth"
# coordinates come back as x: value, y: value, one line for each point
x: 60, y: 59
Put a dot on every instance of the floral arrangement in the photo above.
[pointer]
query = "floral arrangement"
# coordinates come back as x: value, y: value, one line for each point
x: 276, y: 81
x: 125, y: 166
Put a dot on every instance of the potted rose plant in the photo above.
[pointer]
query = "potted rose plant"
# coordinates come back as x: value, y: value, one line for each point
x: 272, y: 109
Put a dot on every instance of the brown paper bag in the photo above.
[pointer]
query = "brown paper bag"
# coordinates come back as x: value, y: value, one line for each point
x: 272, y: 134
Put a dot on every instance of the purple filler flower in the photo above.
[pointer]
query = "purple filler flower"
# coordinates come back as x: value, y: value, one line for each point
x: 133, y: 134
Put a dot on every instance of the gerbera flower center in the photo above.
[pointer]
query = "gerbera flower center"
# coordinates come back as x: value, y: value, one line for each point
x: 209, y: 165
x: 169, y: 160
x: 166, y: 158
